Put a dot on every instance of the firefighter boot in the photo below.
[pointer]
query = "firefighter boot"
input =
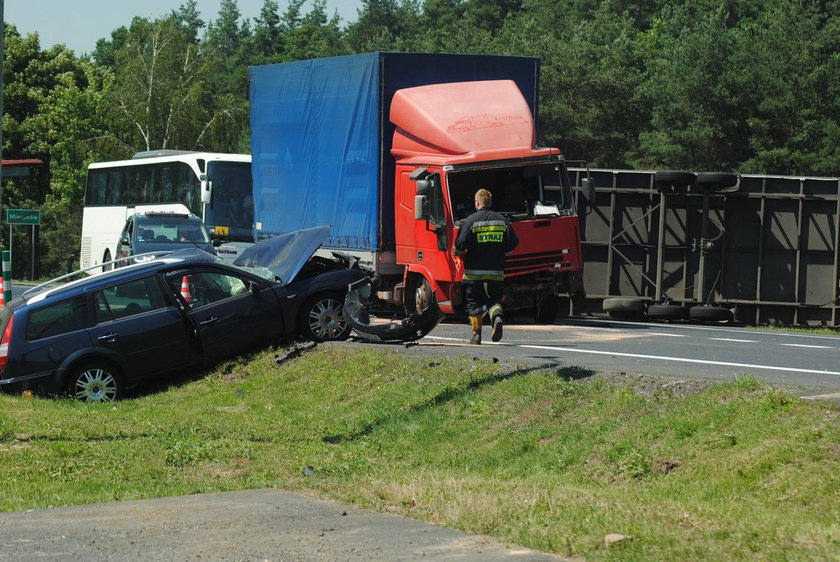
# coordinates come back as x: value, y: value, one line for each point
x: 476, y: 322
x: 497, y: 322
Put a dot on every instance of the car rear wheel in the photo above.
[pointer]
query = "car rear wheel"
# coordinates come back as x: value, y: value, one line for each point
x: 105, y: 259
x: 95, y: 381
x: 322, y: 318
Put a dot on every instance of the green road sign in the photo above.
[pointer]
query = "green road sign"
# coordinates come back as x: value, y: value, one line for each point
x: 23, y: 216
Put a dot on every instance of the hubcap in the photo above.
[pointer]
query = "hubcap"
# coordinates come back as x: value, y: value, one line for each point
x: 95, y: 385
x: 326, y: 320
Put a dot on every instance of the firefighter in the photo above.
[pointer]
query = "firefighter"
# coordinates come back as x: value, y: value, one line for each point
x: 484, y: 239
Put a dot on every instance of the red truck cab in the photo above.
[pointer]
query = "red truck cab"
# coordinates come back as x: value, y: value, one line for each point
x: 446, y: 149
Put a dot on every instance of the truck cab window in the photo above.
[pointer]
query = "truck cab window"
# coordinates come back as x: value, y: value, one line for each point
x: 436, y: 206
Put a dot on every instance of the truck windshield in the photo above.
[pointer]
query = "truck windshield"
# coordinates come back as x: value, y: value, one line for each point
x: 519, y: 192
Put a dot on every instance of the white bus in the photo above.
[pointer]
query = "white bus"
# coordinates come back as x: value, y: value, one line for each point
x: 213, y: 186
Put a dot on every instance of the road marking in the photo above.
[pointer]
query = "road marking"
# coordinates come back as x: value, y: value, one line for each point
x: 646, y: 334
x: 807, y: 346
x: 734, y: 340
x: 833, y: 396
x: 654, y: 357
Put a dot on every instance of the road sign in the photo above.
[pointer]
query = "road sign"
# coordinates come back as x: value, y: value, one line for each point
x: 23, y: 216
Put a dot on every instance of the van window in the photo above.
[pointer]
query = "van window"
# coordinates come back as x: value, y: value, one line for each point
x: 127, y: 299
x: 57, y: 318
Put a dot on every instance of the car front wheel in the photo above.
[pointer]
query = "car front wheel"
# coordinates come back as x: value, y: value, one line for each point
x: 322, y: 318
x: 96, y: 381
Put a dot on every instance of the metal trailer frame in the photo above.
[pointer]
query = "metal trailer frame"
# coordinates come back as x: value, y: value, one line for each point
x: 770, y: 250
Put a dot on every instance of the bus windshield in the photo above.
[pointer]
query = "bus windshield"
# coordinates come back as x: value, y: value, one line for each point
x: 231, y: 212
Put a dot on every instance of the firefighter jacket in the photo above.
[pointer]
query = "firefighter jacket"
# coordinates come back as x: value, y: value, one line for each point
x: 484, y: 239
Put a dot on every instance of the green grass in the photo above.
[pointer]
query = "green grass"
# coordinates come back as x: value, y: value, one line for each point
x: 738, y: 471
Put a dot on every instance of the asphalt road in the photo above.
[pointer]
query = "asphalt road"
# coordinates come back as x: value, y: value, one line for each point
x: 713, y: 352
x: 247, y: 525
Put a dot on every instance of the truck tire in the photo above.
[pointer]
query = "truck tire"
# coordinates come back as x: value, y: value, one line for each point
x: 419, y: 294
x: 667, y: 312
x: 710, y: 313
x: 668, y: 178
x: 717, y: 181
x: 546, y: 311
x: 624, y: 308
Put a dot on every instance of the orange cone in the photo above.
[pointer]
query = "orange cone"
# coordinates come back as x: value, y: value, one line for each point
x: 185, y: 289
x: 2, y: 291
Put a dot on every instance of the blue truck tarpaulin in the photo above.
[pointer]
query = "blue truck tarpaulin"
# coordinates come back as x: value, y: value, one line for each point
x: 314, y: 127
x: 321, y: 138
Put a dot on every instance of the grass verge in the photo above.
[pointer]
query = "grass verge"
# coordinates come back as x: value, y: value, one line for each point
x: 551, y: 459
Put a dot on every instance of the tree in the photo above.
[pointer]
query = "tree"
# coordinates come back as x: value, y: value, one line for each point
x: 159, y: 84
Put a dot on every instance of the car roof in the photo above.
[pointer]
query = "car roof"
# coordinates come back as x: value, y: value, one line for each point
x: 100, y: 279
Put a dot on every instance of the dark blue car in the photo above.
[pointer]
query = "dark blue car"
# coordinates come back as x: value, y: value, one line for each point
x: 94, y: 337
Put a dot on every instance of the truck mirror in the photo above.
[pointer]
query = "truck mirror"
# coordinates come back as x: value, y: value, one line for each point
x: 206, y: 189
x: 419, y: 207
x: 422, y: 187
x: 588, y: 189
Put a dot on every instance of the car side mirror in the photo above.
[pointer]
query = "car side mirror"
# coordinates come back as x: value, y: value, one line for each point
x: 588, y: 189
x: 216, y: 242
x: 254, y: 287
x: 124, y: 241
x: 423, y: 187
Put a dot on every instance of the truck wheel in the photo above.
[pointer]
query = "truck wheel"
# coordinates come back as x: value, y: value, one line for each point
x: 624, y: 308
x: 547, y: 308
x: 95, y: 381
x: 321, y: 318
x: 419, y: 296
x: 106, y: 258
x: 667, y: 312
x: 710, y: 313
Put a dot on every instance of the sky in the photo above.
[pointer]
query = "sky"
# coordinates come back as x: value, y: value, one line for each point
x: 80, y: 23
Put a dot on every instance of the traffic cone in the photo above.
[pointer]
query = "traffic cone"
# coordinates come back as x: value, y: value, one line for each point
x: 185, y: 289
x: 2, y: 291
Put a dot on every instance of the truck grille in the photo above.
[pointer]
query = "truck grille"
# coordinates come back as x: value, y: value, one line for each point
x: 530, y: 263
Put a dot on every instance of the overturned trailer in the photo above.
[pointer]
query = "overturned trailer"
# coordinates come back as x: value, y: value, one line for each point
x: 767, y: 248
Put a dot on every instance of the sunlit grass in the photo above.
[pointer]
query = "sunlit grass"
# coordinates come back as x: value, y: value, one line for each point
x: 552, y: 459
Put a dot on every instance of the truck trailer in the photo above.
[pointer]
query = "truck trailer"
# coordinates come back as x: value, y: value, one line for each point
x: 389, y: 149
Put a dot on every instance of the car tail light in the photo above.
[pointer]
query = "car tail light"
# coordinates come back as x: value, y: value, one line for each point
x: 4, y: 343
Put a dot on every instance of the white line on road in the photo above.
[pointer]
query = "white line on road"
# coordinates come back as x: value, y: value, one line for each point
x: 807, y: 346
x: 654, y: 357
x: 646, y: 334
x: 832, y: 396
x: 734, y: 340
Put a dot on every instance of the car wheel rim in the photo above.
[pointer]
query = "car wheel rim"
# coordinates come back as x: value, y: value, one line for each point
x: 95, y: 385
x: 421, y: 297
x: 326, y: 320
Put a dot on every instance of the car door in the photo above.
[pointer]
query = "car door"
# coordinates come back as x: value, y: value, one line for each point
x: 147, y: 332
x: 230, y: 311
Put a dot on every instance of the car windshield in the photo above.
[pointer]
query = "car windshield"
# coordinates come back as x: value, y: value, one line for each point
x: 171, y: 231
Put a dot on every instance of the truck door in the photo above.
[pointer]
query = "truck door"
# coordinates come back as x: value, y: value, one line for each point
x: 433, y: 238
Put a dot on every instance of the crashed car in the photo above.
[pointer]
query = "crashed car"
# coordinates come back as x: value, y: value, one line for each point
x: 93, y: 337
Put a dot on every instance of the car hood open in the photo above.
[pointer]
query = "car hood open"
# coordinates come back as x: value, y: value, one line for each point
x: 286, y: 254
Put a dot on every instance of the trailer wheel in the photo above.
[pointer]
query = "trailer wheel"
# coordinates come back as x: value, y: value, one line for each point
x: 718, y: 181
x: 667, y: 178
x: 624, y: 308
x: 710, y: 313
x: 667, y: 312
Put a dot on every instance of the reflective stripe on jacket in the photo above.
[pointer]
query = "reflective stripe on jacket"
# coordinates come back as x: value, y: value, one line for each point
x: 484, y: 239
